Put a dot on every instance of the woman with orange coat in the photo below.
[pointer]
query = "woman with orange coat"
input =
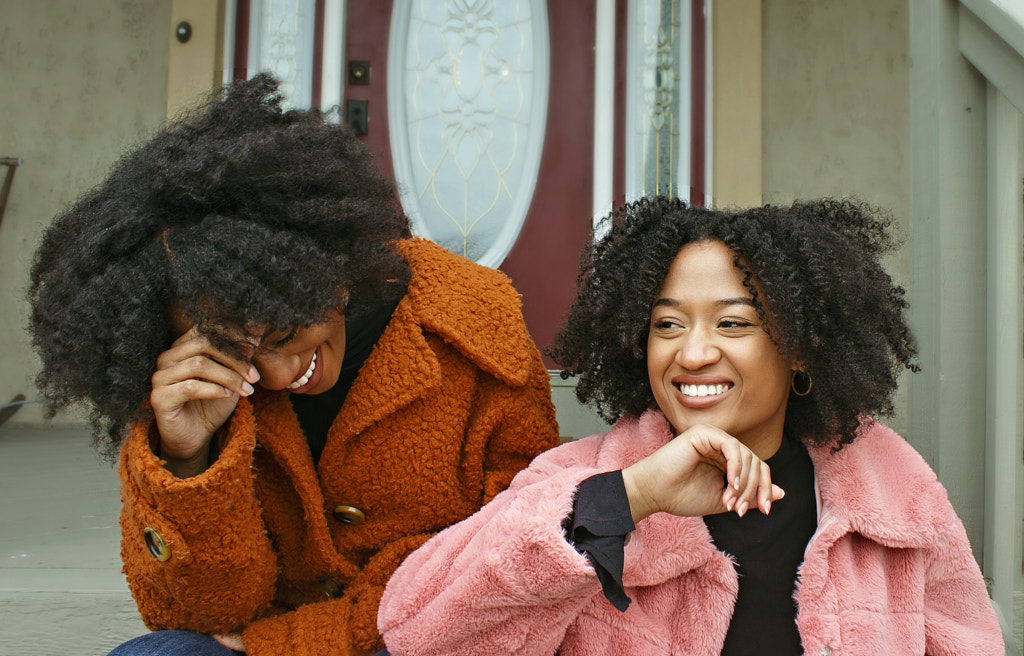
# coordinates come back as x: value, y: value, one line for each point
x: 300, y: 393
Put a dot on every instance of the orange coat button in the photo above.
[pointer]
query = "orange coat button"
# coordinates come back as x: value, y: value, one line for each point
x: 156, y: 545
x: 350, y: 515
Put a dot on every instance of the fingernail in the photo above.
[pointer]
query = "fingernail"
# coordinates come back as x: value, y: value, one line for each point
x: 730, y: 504
x: 736, y: 484
x: 742, y: 510
x: 247, y: 389
x: 254, y: 375
x: 767, y: 507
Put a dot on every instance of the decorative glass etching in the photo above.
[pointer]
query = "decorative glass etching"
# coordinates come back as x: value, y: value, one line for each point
x: 281, y: 43
x: 658, y: 103
x: 467, y: 104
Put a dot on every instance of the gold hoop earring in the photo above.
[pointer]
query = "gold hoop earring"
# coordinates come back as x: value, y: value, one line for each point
x: 792, y: 383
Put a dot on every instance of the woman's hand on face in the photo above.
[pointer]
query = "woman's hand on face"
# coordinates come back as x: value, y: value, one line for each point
x: 687, y: 477
x: 195, y: 390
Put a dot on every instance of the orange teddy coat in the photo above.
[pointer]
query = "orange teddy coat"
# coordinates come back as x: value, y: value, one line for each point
x: 451, y: 404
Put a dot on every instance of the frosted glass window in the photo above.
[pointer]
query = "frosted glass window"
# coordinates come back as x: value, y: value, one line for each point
x: 658, y: 99
x: 281, y: 43
x: 467, y: 104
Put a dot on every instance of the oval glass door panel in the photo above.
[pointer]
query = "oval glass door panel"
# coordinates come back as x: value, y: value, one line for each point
x: 467, y: 105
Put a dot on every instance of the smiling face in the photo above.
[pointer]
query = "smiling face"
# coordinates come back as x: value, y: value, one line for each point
x: 709, y: 359
x: 303, y: 360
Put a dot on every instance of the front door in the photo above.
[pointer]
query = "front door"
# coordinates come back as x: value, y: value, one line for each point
x: 484, y: 133
x: 484, y: 111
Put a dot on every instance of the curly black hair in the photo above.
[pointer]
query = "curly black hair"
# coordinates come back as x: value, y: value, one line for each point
x: 239, y: 213
x: 813, y: 268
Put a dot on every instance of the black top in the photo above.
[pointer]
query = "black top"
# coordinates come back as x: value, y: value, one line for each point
x: 317, y: 412
x: 767, y: 549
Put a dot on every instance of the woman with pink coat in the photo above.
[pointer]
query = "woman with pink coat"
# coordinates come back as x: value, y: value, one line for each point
x: 746, y: 500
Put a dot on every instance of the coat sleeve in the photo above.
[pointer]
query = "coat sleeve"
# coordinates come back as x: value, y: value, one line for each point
x: 519, y: 425
x: 504, y: 581
x: 222, y: 570
x: 959, y: 617
x: 218, y: 569
x: 341, y: 626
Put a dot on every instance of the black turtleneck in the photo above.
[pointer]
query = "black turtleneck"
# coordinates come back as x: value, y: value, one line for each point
x: 317, y: 412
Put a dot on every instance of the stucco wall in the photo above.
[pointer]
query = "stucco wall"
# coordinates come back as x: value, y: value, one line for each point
x: 80, y: 82
x: 836, y: 110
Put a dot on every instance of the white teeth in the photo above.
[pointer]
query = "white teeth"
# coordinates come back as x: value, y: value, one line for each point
x: 703, y: 390
x: 305, y: 377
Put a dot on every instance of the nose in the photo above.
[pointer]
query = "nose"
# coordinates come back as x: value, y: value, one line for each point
x: 276, y: 371
x: 697, y: 349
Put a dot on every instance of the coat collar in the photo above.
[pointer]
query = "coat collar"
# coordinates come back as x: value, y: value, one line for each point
x: 472, y: 307
x: 880, y: 487
x: 469, y: 306
x: 401, y: 369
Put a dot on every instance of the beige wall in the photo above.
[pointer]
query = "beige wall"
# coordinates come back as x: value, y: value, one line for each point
x: 836, y: 110
x: 836, y: 101
x: 80, y: 82
x: 196, y: 67
x: 736, y: 103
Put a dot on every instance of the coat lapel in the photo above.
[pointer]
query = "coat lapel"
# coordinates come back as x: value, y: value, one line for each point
x: 282, y: 437
x: 401, y: 369
x: 878, y: 487
x: 481, y: 318
x: 881, y: 488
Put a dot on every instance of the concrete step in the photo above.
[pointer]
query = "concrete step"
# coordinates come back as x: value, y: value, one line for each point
x: 61, y: 587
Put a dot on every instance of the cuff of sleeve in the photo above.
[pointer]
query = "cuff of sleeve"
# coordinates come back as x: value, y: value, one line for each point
x: 602, y: 505
x: 598, y: 526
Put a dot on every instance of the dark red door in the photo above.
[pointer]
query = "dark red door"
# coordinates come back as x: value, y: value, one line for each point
x: 543, y: 262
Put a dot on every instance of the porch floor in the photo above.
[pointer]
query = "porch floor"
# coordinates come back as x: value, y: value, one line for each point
x: 61, y: 587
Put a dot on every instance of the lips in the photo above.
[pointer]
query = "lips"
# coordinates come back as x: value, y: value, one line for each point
x: 703, y: 390
x: 700, y: 395
x: 304, y: 378
x: 310, y: 378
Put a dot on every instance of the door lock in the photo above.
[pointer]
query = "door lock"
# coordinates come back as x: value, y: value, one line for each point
x: 357, y: 115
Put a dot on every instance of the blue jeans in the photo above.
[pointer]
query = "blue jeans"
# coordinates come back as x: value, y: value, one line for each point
x: 173, y: 643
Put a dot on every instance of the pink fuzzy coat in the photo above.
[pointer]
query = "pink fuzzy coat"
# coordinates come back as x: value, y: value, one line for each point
x: 889, y: 570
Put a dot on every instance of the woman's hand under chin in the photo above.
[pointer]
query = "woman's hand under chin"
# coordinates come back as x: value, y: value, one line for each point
x: 687, y: 477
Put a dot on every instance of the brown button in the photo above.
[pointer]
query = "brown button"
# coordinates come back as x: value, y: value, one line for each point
x: 330, y: 587
x: 350, y: 515
x: 156, y: 545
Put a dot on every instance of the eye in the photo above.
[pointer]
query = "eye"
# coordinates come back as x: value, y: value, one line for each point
x: 666, y: 323
x: 287, y: 337
x: 734, y: 323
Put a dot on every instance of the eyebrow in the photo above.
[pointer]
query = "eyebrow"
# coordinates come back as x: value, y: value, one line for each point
x: 722, y: 302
